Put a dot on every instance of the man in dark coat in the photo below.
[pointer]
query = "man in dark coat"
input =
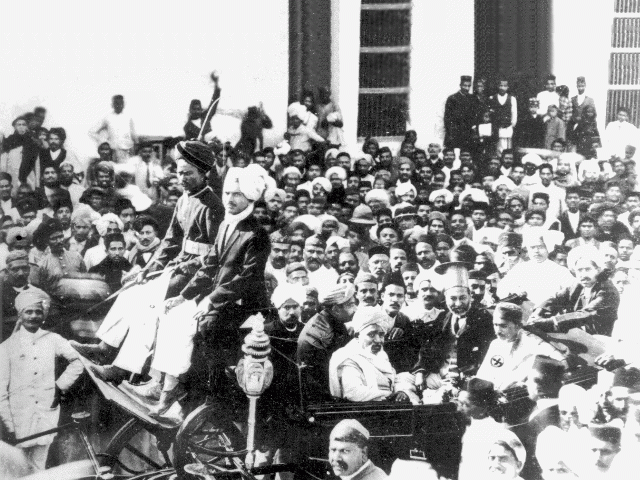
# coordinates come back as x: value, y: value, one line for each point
x: 461, y: 335
x: 460, y: 116
x: 530, y: 129
x: 543, y: 384
x: 15, y: 279
x: 591, y: 303
x: 228, y: 288
x: 322, y: 335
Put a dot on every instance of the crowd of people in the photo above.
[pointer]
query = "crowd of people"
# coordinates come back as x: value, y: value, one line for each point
x: 423, y: 275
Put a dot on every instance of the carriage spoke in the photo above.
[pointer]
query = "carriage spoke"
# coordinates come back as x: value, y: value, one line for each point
x: 142, y: 456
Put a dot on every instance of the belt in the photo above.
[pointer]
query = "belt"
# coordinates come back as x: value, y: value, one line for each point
x: 196, y: 248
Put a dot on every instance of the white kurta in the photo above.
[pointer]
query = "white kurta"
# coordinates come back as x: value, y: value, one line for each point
x: 323, y: 279
x: 28, y: 383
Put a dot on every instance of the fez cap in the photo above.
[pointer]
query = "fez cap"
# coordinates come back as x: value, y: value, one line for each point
x: 315, y: 241
x: 547, y: 366
x: 295, y: 266
x: 364, y: 277
x: 465, y: 78
x: 378, y: 250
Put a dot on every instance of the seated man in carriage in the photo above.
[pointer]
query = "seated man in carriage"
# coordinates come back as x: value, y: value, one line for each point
x: 361, y: 370
x: 591, y: 301
x: 506, y: 363
x: 190, y: 236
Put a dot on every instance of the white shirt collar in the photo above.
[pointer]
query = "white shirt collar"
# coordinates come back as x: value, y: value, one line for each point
x: 349, y: 477
x: 55, y: 154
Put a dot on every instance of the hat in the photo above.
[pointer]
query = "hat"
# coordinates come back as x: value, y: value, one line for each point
x: 366, y: 316
x: 581, y: 79
x: 502, y: 180
x: 339, y: 242
x: 339, y: 294
x: 197, y: 154
x: 102, y: 224
x: 310, y: 221
x: 84, y: 215
x: 587, y: 252
x: 288, y: 291
x: 378, y: 250
x: 315, y: 241
x: 17, y: 234
x: 249, y: 181
x: 291, y: 171
x: 364, y: 277
x: 627, y: 378
x: 336, y: 171
x: 296, y: 109
x: 509, y: 311
x: 477, y: 195
x: 331, y: 152
x: 510, y: 439
x: 532, y: 158
x: 437, y: 216
x: 404, y: 210
x: 294, y: 267
x: 278, y: 237
x: 362, y: 215
x: 405, y: 188
x: 16, y: 255
x: 323, y: 182
x: 461, y: 256
x: 548, y: 367
x: 465, y: 78
x: 410, y: 267
x: 510, y: 239
x: 448, y: 195
x: 481, y: 392
x: 47, y: 227
x: 606, y: 433
x: 491, y: 235
x: 428, y: 276
x: 351, y: 431
x: 98, y: 190
x: 27, y: 204
x: 282, y: 148
x: 311, y: 291
x: 32, y: 297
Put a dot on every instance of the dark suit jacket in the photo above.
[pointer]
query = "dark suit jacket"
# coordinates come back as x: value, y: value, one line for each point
x: 43, y: 201
x: 599, y: 313
x: 529, y: 132
x: 577, y: 109
x: 528, y: 434
x: 459, y: 118
x: 234, y: 277
x: 471, y: 345
x: 565, y: 226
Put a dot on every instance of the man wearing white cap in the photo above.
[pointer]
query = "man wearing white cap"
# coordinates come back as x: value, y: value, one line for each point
x: 288, y: 300
x: 539, y: 277
x: 29, y: 391
x: 349, y: 452
x: 227, y: 288
x: 506, y: 457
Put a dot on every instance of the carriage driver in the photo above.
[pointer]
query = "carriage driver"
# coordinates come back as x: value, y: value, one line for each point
x: 224, y: 292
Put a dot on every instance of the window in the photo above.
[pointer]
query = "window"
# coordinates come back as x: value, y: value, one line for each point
x: 385, y: 49
x: 624, y: 62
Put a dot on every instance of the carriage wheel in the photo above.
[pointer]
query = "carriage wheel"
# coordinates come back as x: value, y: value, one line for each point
x: 134, y: 450
x: 209, y: 436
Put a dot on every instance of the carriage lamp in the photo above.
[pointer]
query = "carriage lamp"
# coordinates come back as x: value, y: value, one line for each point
x: 254, y: 374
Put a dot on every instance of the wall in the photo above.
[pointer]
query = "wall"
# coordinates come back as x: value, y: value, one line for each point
x: 583, y: 50
x: 72, y: 57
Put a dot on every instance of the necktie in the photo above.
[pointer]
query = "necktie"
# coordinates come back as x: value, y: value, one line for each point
x: 456, y: 326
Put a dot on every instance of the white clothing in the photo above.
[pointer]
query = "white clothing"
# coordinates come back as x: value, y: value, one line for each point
x: 119, y: 128
x: 280, y: 274
x: 323, y: 279
x: 95, y: 255
x: 618, y: 135
x: 75, y: 192
x: 541, y: 280
x: 547, y: 98
x: 476, y: 441
x: 28, y: 384
x: 507, y: 362
x: 132, y: 323
x: 416, y: 312
x: 143, y: 172
x: 556, y: 199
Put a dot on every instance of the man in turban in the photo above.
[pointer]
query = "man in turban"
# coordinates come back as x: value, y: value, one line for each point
x: 30, y: 393
x: 322, y: 335
x: 349, y: 452
x: 190, y: 237
x: 228, y: 288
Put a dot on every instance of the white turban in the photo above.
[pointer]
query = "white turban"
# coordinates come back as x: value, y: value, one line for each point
x: 366, y: 316
x: 102, y: 224
x: 506, y: 181
x: 340, y: 242
x: 276, y: 192
x: 404, y: 188
x: 32, y: 297
x: 331, y: 153
x: 291, y: 171
x: 448, y: 195
x: 379, y: 194
x: 296, y: 109
x: 324, y: 183
x: 532, y: 158
x: 84, y: 214
x: 282, y: 148
x: 249, y: 181
x: 550, y: 238
x: 476, y: 195
x: 336, y: 171
x: 428, y: 276
x: 310, y: 221
x: 288, y: 291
